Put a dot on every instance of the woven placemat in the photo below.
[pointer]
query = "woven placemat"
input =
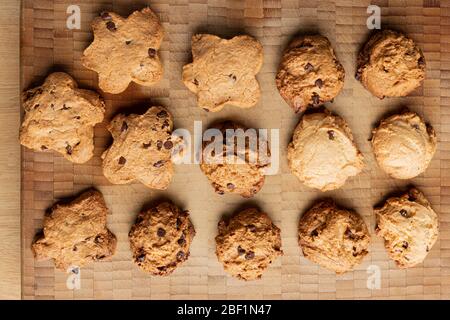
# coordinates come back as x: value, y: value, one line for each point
x: 48, y: 45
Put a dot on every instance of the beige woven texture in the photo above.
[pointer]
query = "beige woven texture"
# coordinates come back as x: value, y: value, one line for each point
x: 48, y: 45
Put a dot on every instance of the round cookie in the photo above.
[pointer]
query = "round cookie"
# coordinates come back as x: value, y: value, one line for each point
x: 404, y: 145
x: 141, y: 150
x: 334, y: 238
x: 224, y: 71
x: 75, y: 233
x: 125, y: 50
x: 61, y: 117
x: 409, y: 227
x: 309, y: 73
x: 247, y: 244
x: 322, y: 153
x: 240, y: 171
x: 390, y: 65
x: 160, y: 239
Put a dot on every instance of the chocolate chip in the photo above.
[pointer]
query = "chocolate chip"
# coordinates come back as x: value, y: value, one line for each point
x: 316, y: 99
x: 77, y: 118
x: 161, y: 232
x: 151, y: 53
x: 207, y: 110
x: 232, y: 77
x: 181, y: 241
x: 168, y: 145
x: 249, y: 255
x: 421, y: 61
x: 251, y: 227
x: 349, y: 234
x: 158, y: 164
x: 159, y: 144
x: 124, y: 127
x: 105, y: 16
x: 98, y: 239
x: 122, y: 160
x: 64, y: 107
x: 128, y: 42
x: 74, y: 248
x: 111, y: 26
x: 404, y: 213
x: 146, y: 145
x: 141, y: 258
x: 331, y: 134
x: 358, y: 76
x: 319, y: 83
x: 69, y: 149
x: 179, y: 223
x: 180, y: 255
x: 44, y: 148
x: 162, y: 268
x: 314, y: 233
x: 240, y: 250
x: 162, y: 114
x: 165, y: 124
x: 230, y: 186
x: 309, y: 67
x: 405, y: 245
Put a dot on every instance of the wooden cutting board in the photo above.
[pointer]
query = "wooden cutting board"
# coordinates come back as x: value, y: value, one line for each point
x: 47, y: 45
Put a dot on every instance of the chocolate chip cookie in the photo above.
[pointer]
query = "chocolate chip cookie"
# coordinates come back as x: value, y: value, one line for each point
x: 334, y: 238
x: 409, y: 227
x: 404, y: 145
x: 75, y: 233
x: 247, y: 244
x: 160, y: 239
x: 235, y: 162
x: 309, y: 73
x: 223, y: 71
x: 322, y: 153
x: 141, y: 149
x: 390, y: 65
x: 125, y: 50
x: 61, y: 117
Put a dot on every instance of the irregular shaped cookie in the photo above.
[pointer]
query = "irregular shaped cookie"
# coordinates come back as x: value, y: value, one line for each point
x: 247, y: 244
x: 309, y: 73
x: 125, y: 50
x: 231, y: 163
x: 404, y: 145
x: 322, y: 153
x: 334, y: 238
x: 223, y: 71
x: 141, y: 149
x: 75, y: 233
x: 409, y: 227
x: 160, y: 239
x: 390, y: 65
x: 61, y: 117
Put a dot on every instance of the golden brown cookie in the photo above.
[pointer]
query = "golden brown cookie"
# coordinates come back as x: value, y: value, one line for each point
x: 390, y: 65
x: 334, y: 238
x: 247, y: 244
x: 322, y: 153
x: 224, y: 71
x: 409, y: 226
x: 160, y: 239
x: 240, y: 170
x: 141, y: 149
x: 75, y: 233
x: 309, y: 73
x: 404, y: 145
x: 125, y: 50
x: 61, y: 117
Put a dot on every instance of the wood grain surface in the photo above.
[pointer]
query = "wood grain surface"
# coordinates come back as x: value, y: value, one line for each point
x: 47, y: 45
x: 10, y: 275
